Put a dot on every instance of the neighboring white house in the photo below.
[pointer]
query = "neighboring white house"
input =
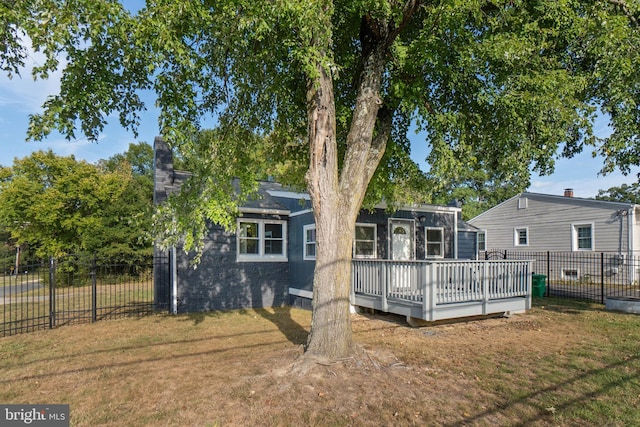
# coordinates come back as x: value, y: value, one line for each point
x: 532, y: 222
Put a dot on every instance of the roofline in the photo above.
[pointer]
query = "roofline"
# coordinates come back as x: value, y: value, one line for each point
x: 496, y: 206
x: 289, y: 194
x: 266, y: 211
x: 422, y: 208
x: 627, y: 205
x: 583, y: 199
x: 382, y: 205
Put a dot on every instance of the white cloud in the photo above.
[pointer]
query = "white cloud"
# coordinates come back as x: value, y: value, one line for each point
x: 24, y: 94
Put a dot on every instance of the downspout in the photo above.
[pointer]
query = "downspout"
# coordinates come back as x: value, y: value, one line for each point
x: 174, y: 281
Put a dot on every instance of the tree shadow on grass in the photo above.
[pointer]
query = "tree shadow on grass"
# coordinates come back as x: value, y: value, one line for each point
x: 567, y: 398
x: 281, y: 317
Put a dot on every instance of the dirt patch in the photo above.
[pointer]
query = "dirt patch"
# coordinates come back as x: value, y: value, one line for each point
x: 235, y: 369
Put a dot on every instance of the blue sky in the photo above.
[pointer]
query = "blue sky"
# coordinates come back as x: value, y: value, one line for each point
x: 21, y: 96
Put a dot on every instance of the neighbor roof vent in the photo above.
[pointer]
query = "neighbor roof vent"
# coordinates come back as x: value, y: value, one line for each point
x: 568, y: 192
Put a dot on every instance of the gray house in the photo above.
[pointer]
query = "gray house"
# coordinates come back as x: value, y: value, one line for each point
x: 269, y: 260
x: 531, y: 222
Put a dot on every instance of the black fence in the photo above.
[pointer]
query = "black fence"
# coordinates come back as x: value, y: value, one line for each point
x: 76, y: 289
x: 585, y: 276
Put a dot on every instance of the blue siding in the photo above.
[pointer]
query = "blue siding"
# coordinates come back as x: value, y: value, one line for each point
x: 301, y: 271
x: 221, y: 283
x: 467, y: 245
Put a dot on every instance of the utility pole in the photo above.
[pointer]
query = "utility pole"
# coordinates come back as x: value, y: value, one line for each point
x: 17, y: 270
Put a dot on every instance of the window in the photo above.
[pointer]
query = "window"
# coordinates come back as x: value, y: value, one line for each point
x: 482, y: 241
x: 262, y: 240
x: 309, y: 243
x: 582, y: 237
x: 435, y: 242
x: 521, y: 237
x: 523, y: 202
x: 364, y: 243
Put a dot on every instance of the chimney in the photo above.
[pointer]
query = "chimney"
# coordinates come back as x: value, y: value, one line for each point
x: 568, y: 192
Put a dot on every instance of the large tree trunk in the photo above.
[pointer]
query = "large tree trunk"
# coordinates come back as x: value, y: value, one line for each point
x: 337, y: 195
x: 331, y: 322
x: 336, y: 201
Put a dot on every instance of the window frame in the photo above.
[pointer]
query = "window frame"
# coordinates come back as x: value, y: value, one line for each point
x: 427, y: 242
x: 261, y: 256
x: 516, y: 236
x: 523, y: 202
x: 374, y: 241
x: 305, y: 242
x: 575, y: 237
x: 484, y: 242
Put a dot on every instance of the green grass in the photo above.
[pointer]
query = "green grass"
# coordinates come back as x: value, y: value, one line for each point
x: 560, y: 364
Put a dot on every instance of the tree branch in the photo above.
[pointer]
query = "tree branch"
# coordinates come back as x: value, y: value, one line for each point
x: 623, y: 5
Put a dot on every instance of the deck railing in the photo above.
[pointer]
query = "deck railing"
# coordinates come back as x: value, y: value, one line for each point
x: 435, y: 283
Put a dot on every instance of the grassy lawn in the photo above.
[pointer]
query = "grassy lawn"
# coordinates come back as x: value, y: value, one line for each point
x: 561, y: 364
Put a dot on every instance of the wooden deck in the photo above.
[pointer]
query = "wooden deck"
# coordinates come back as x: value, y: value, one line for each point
x: 437, y: 290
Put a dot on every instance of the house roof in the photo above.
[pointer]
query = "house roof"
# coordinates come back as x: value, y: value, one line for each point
x: 552, y: 198
x: 465, y: 226
x: 264, y: 202
x: 169, y: 181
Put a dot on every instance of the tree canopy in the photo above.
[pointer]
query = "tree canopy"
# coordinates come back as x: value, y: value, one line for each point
x: 323, y: 93
x: 625, y: 193
x: 57, y: 205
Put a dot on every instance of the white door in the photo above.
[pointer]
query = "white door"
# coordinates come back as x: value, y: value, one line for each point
x: 401, y: 247
x: 402, y: 243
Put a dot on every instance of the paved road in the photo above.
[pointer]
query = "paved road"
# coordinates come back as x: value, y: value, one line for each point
x: 13, y: 290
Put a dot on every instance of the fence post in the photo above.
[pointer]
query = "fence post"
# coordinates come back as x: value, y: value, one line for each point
x: 601, y: 277
x: 548, y: 272
x: 52, y: 292
x: 94, y: 291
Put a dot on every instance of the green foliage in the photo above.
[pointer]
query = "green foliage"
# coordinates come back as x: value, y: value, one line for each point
x: 57, y: 205
x: 625, y: 193
x: 499, y: 88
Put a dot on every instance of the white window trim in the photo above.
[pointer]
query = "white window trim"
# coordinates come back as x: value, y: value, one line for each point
x: 574, y: 236
x: 375, y: 241
x: 426, y: 242
x: 565, y: 275
x: 484, y: 232
x: 306, y: 256
x: 261, y: 256
x: 523, y: 203
x: 516, y: 236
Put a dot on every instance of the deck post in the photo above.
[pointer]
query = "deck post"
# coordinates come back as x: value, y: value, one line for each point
x: 429, y: 301
x: 425, y: 290
x: 385, y: 286
x: 486, y: 278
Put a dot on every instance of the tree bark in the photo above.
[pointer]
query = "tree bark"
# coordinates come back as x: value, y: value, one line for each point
x: 330, y: 335
x: 337, y: 196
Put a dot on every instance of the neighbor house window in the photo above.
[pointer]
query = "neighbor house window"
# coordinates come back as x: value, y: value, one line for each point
x: 262, y: 240
x: 521, y: 236
x: 523, y: 202
x: 364, y: 242
x: 309, y: 243
x: 435, y: 242
x: 482, y: 241
x: 582, y: 237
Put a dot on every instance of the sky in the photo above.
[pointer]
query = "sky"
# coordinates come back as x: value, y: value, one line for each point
x: 21, y: 96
